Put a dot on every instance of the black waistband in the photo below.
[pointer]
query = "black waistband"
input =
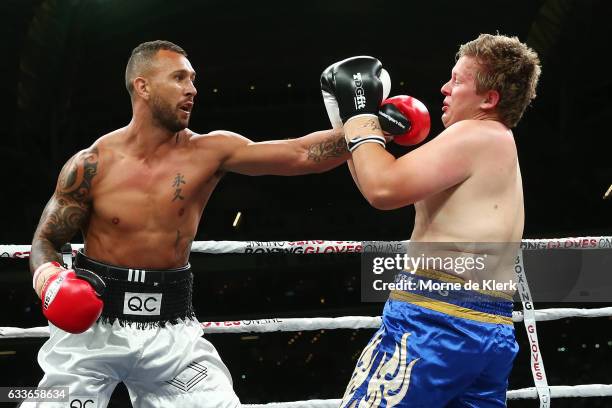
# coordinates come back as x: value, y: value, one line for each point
x: 130, y: 274
x: 142, y: 296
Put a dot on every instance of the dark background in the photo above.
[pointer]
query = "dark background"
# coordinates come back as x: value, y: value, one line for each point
x: 62, y: 67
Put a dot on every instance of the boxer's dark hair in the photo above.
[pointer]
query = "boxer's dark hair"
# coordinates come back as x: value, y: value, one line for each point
x: 143, y: 55
x: 507, y: 66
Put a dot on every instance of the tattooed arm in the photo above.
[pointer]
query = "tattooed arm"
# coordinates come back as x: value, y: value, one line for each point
x: 313, y: 153
x: 68, y: 209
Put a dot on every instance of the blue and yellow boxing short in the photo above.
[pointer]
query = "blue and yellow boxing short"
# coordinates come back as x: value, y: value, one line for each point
x: 437, y: 349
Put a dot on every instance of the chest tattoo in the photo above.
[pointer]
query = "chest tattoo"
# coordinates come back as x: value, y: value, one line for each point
x: 179, y: 180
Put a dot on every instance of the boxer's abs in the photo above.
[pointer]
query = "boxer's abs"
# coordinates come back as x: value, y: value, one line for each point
x: 142, y: 249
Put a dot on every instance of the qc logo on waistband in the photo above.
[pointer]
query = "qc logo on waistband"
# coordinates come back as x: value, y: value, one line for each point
x: 144, y: 304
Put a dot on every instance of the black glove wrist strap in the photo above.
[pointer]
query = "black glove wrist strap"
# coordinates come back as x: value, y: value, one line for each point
x: 355, y: 142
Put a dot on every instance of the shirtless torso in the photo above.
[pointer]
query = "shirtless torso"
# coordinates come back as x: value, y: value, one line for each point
x: 484, y: 214
x: 487, y: 206
x: 145, y: 211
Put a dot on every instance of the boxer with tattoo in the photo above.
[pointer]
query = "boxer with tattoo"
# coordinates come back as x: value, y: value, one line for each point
x: 124, y: 312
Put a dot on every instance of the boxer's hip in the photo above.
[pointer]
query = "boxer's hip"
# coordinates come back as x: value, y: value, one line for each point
x: 447, y: 294
x: 145, y: 298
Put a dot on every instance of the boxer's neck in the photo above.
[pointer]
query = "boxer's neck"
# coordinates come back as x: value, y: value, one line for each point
x: 145, y: 136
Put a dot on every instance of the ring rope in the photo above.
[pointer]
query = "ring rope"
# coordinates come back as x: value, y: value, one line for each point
x: 325, y: 247
x: 556, y: 391
x: 318, y: 323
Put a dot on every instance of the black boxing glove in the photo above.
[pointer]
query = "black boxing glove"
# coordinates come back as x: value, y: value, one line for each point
x: 354, y: 86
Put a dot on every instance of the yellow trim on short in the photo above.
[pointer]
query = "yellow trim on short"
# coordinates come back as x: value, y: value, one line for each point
x: 497, y: 294
x: 447, y: 277
x: 449, y: 308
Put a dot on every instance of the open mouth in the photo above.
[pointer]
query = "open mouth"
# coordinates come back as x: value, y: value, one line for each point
x: 186, y: 107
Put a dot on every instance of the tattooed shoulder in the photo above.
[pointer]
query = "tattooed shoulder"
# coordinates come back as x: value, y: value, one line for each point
x: 75, y: 179
x: 68, y: 210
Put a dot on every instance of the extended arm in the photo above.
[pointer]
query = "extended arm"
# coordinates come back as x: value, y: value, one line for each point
x: 313, y: 153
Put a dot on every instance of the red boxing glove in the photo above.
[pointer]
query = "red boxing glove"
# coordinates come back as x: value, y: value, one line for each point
x: 70, y: 299
x: 406, y: 118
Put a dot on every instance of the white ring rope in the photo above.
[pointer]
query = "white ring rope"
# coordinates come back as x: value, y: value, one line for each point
x: 319, y: 323
x: 326, y: 247
x: 564, y: 391
x: 556, y: 391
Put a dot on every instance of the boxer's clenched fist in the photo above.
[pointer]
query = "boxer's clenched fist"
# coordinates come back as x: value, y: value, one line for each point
x: 70, y: 298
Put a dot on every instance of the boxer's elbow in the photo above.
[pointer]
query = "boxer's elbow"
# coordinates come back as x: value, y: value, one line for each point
x: 386, y: 196
x: 375, y: 190
x: 380, y: 198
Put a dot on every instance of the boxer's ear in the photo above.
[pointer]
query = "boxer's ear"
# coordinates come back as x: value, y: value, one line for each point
x: 490, y: 100
x: 141, y: 87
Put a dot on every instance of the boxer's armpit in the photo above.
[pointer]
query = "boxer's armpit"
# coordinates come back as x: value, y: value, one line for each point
x: 332, y: 147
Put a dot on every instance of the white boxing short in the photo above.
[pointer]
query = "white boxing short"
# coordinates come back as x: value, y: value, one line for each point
x: 171, y: 366
x: 147, y: 337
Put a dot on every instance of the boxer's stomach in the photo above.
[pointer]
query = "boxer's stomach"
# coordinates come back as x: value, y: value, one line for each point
x: 144, y: 245
x: 463, y: 223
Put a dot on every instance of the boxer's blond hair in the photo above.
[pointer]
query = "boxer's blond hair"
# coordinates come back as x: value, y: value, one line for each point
x: 142, y: 58
x: 507, y: 66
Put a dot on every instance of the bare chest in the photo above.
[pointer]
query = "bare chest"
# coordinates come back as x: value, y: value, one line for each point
x: 480, y: 209
x: 136, y: 196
